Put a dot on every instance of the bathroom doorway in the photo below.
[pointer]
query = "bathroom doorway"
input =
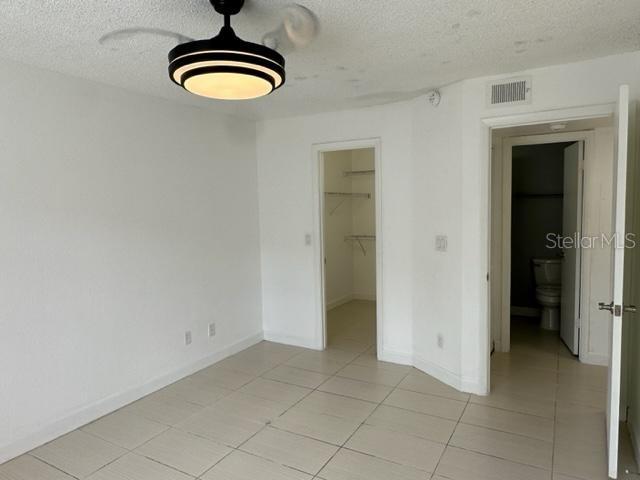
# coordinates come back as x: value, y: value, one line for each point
x: 549, y: 192
x: 546, y: 216
x: 350, y: 248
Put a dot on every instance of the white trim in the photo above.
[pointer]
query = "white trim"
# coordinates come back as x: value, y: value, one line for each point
x: 296, y: 341
x: 364, y: 297
x: 320, y: 338
x: 461, y: 383
x: 445, y: 376
x: 395, y: 356
x: 487, y: 124
x: 102, y: 407
x: 594, y: 359
x: 547, y: 116
x: 338, y: 302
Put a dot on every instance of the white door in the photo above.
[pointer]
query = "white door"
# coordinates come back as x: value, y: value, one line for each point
x: 615, y: 304
x: 571, y: 265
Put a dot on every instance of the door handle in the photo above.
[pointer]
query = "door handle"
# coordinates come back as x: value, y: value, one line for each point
x: 610, y: 307
x: 606, y: 306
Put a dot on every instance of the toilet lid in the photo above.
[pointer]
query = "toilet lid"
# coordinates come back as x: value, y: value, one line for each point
x: 549, y: 290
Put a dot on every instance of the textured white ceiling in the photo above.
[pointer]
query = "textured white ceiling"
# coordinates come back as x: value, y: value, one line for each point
x: 368, y: 51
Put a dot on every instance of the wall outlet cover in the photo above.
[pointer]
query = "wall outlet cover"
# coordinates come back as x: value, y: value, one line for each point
x: 187, y: 337
x: 212, y: 329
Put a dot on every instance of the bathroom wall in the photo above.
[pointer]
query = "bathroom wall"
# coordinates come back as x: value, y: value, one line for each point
x: 538, y: 172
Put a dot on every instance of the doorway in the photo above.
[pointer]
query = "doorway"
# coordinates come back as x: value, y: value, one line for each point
x: 539, y: 274
x: 585, y: 392
x: 544, y: 268
x: 348, y: 245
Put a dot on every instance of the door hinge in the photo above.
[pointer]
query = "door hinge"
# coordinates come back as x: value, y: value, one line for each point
x: 617, y: 310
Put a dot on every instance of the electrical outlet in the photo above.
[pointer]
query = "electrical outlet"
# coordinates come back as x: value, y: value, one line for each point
x: 440, y: 341
x: 187, y: 337
x: 212, y: 329
x: 307, y: 239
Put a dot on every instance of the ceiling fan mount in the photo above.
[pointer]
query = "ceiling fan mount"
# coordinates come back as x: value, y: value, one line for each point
x: 227, y: 7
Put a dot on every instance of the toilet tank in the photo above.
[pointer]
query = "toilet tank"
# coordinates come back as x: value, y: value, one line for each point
x: 547, y: 271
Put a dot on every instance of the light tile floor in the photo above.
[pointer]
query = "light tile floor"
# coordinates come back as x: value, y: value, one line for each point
x: 275, y: 412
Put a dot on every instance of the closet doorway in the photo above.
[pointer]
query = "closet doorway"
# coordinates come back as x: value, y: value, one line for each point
x: 350, y: 247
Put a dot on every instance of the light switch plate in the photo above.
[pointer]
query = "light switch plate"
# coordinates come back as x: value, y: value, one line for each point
x: 441, y: 243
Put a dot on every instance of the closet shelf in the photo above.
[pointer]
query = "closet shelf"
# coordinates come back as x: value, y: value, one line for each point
x: 360, y: 239
x: 348, y: 194
x: 345, y: 196
x: 354, y: 173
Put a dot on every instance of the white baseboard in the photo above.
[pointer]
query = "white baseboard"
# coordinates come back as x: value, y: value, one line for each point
x: 395, y: 356
x: 339, y: 302
x: 365, y: 296
x: 349, y: 298
x: 100, y: 408
x: 525, y: 311
x: 594, y: 359
x: 296, y: 341
x: 466, y: 385
x: 438, y: 372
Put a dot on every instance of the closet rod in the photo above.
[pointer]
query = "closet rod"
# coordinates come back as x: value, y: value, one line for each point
x: 354, y: 173
x: 348, y: 194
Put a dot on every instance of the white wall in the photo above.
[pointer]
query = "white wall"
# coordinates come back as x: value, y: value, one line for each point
x: 435, y: 180
x: 124, y: 221
x: 338, y: 223
x: 290, y: 272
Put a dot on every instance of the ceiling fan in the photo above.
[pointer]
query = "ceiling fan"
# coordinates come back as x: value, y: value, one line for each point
x: 225, y: 66
x: 298, y: 27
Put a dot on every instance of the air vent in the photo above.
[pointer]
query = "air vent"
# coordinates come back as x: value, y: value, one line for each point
x: 513, y: 91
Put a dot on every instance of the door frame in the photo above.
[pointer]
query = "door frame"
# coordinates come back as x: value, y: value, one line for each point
x: 317, y: 168
x: 508, y: 143
x: 487, y: 125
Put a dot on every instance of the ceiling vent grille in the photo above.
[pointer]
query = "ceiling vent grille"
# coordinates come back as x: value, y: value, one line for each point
x: 514, y: 91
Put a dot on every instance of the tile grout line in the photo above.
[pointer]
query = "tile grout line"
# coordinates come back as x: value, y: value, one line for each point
x: 342, y: 447
x: 298, y: 402
x: 268, y: 424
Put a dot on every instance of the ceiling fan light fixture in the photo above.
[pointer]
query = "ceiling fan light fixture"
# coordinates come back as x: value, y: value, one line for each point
x: 226, y: 67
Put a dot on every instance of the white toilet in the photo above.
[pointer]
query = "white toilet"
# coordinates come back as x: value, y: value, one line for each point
x: 548, y: 275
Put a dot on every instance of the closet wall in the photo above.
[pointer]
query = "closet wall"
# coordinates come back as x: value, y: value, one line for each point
x: 350, y: 266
